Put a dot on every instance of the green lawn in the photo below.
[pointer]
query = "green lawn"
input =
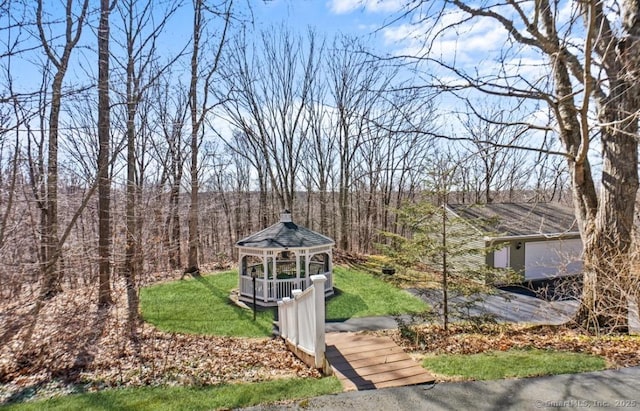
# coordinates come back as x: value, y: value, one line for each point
x: 362, y: 295
x: 226, y: 396
x: 495, y: 365
x: 202, y: 306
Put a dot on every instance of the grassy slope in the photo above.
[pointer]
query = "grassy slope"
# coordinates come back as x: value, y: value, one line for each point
x: 202, y: 305
x: 362, y: 295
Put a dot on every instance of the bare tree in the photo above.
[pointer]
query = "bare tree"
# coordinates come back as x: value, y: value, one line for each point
x: 104, y: 155
x: 60, y: 61
x: 140, y: 35
x: 551, y: 178
x: 592, y: 64
x: 7, y: 202
x: 171, y: 110
x: 357, y: 85
x: 269, y: 87
x: 200, y: 106
x: 249, y: 148
x: 318, y: 151
x: 496, y: 168
x: 388, y: 159
x: 12, y: 116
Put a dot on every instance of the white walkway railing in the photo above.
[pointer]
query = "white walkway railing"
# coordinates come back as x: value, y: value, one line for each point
x: 301, y: 322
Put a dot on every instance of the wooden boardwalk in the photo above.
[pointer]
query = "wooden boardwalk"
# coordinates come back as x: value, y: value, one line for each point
x: 364, y: 362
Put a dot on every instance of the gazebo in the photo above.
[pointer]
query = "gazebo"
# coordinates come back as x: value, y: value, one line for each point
x: 281, y: 258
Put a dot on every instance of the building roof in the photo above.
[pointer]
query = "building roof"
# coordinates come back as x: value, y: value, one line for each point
x: 284, y: 235
x: 518, y: 219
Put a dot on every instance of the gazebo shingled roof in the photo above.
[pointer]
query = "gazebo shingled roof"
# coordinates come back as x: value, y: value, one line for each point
x: 285, y: 235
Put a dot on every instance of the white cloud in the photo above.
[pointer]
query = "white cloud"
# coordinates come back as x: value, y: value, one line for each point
x: 343, y: 6
x: 464, y: 45
x: 371, y: 6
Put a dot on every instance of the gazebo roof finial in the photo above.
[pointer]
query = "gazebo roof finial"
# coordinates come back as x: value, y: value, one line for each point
x: 285, y: 216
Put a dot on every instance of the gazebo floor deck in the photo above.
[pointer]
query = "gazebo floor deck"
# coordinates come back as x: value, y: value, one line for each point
x: 364, y: 362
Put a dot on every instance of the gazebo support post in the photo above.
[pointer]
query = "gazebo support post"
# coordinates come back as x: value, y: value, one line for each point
x: 265, y: 291
x: 253, y: 278
x: 265, y: 274
x: 297, y: 255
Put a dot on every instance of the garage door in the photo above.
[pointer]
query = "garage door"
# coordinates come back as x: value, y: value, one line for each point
x: 546, y: 259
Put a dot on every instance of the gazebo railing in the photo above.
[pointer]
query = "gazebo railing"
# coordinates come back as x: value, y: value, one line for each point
x: 277, y: 289
x: 287, y: 269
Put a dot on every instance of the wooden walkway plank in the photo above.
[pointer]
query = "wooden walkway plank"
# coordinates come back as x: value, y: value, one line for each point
x: 378, y: 368
x: 352, y: 356
x: 382, y: 373
x: 369, y: 346
x: 364, y: 362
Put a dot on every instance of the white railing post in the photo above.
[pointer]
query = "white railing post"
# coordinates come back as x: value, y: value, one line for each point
x: 296, y: 317
x: 282, y: 317
x: 319, y: 318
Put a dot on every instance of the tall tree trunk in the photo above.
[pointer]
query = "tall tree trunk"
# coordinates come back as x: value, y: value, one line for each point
x: 608, y: 233
x: 263, y: 217
x: 199, y: 109
x: 194, y: 209
x: 608, y: 243
x: 131, y: 266
x: 173, y: 226
x: 51, y: 249
x: 609, y: 237
x: 324, y: 215
x: 104, y: 182
x: 343, y: 196
x: 11, y: 188
x: 51, y: 285
x: 141, y: 75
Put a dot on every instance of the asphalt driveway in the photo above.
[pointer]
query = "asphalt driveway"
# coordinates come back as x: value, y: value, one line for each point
x: 512, y: 304
x: 509, y: 304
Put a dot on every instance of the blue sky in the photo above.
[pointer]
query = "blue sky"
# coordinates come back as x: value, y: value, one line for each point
x: 356, y: 17
x: 362, y: 18
x: 327, y: 15
x: 471, y: 49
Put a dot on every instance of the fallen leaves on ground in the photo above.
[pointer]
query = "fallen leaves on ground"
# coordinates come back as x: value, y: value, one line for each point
x: 618, y: 350
x: 66, y: 341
